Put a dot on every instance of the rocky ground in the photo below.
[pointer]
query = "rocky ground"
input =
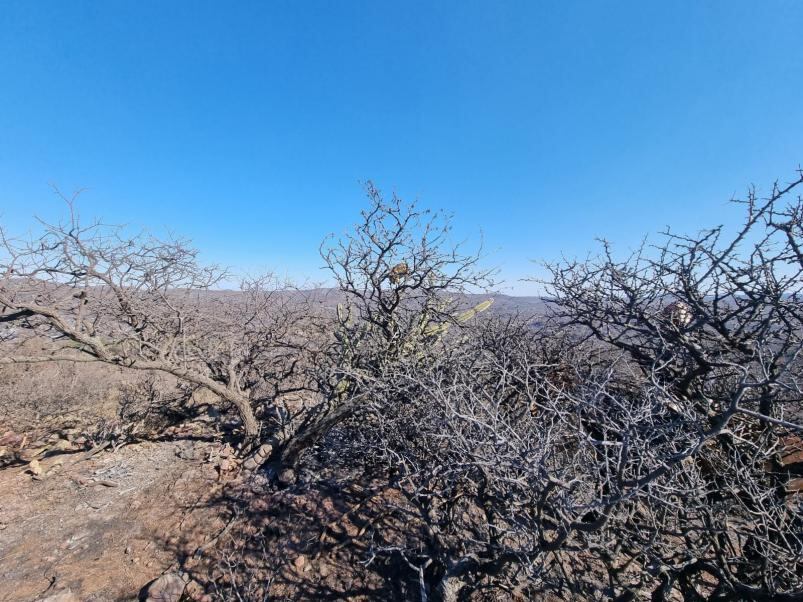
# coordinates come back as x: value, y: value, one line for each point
x: 99, y: 525
x: 106, y: 525
x: 106, y: 486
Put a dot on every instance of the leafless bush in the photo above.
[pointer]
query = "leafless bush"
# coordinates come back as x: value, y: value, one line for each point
x: 487, y: 452
x: 244, y: 571
x: 401, y: 276
x: 401, y: 282
x: 635, y: 441
x: 635, y: 444
x: 150, y: 405
x: 31, y: 394
x: 714, y: 325
x: 148, y: 304
x: 141, y: 303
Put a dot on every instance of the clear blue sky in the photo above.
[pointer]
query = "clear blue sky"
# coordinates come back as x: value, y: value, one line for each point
x: 248, y: 126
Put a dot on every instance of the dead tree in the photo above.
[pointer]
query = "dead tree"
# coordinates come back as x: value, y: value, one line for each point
x: 402, y: 283
x: 147, y: 304
x: 714, y: 323
x: 624, y: 449
x: 98, y: 294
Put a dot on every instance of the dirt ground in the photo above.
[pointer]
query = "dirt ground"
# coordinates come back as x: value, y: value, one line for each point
x: 105, y: 526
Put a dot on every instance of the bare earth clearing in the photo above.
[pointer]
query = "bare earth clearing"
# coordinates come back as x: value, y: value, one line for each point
x: 105, y: 526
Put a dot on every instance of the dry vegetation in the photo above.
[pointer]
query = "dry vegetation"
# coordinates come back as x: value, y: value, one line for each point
x: 394, y: 440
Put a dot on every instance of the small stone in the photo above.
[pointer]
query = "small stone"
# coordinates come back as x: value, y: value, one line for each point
x: 195, y: 591
x: 27, y: 455
x: 62, y: 596
x: 11, y: 438
x: 299, y: 562
x: 57, y: 466
x: 188, y: 453
x: 35, y: 468
x: 167, y: 588
x: 287, y: 476
x: 259, y: 505
x: 259, y: 457
x: 61, y: 445
x: 128, y: 550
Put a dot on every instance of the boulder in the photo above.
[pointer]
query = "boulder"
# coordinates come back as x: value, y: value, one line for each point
x: 167, y: 588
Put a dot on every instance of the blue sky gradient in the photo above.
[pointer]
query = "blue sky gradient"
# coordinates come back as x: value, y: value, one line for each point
x: 248, y: 127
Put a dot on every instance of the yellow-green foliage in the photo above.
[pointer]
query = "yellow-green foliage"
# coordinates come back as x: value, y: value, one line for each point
x: 427, y: 331
x: 438, y: 329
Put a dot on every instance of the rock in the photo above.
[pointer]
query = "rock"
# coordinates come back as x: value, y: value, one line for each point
x: 195, y: 591
x: 35, y: 468
x: 299, y: 562
x: 61, y: 445
x: 187, y: 453
x: 259, y: 505
x: 57, y: 466
x: 11, y: 439
x: 70, y: 421
x: 259, y: 457
x: 65, y: 595
x: 167, y: 588
x: 287, y: 477
x: 795, y: 486
x: 26, y: 455
x: 226, y: 451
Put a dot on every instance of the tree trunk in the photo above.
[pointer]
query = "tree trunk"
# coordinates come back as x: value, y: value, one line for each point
x: 249, y: 420
x: 291, y: 449
x: 448, y: 590
x: 449, y: 586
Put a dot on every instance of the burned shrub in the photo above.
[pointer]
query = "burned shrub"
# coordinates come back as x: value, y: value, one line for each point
x: 101, y: 295
x: 634, y: 439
